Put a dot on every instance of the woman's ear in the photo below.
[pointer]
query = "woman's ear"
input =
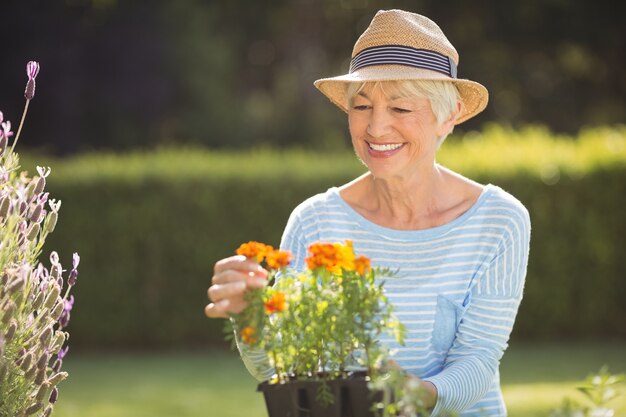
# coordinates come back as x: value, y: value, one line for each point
x: 446, y: 127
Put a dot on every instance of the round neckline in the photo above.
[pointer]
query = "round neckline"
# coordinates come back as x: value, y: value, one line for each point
x: 411, y: 234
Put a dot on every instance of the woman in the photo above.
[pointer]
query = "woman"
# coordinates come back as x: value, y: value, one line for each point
x: 461, y: 247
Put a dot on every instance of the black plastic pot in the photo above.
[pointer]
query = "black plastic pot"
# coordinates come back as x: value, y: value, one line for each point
x: 297, y: 398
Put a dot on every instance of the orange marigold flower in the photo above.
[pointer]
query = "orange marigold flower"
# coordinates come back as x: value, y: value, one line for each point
x: 362, y: 265
x: 332, y: 256
x: 277, y: 259
x: 254, y: 250
x: 322, y: 255
x: 248, y: 335
x: 276, y: 303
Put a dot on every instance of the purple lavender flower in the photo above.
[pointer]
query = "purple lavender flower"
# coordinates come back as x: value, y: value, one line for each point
x: 54, y: 257
x: 45, y: 283
x: 75, y: 260
x: 69, y: 303
x: 41, y: 182
x: 43, y: 198
x: 62, y: 353
x: 58, y: 362
x: 64, y: 320
x: 56, y: 366
x: 71, y: 280
x: 56, y: 269
x: 3, y: 140
x: 5, y: 126
x: 35, y: 213
x: 39, y: 272
x: 6, y: 129
x: 32, y: 69
x: 54, y: 395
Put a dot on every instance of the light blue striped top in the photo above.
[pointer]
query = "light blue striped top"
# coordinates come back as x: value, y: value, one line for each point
x: 457, y: 292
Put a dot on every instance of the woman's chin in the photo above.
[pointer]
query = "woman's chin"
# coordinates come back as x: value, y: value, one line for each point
x: 382, y: 172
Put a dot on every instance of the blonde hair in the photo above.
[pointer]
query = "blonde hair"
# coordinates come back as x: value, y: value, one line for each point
x: 443, y: 96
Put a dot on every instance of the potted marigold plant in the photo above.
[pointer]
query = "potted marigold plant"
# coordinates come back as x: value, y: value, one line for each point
x: 320, y: 328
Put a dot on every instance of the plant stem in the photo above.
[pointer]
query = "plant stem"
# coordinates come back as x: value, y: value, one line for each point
x: 19, y: 129
x: 278, y: 372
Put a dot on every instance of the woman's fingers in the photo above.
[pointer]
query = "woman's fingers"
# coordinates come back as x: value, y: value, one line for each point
x: 232, y: 277
x: 223, y: 308
x: 238, y: 268
x: 217, y: 310
x: 219, y: 292
x: 239, y: 263
x: 235, y: 270
x: 227, y: 263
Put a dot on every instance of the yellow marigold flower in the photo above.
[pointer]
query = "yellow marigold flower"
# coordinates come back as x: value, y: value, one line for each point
x: 276, y: 303
x: 345, y: 258
x: 248, y: 335
x: 362, y: 265
x: 277, y: 259
x: 254, y: 250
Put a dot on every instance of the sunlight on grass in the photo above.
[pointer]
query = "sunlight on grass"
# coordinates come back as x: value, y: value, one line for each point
x: 536, y: 378
x: 215, y: 384
x: 159, y: 385
x: 535, y: 400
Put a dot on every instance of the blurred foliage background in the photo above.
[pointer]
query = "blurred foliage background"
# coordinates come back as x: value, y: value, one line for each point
x: 126, y: 74
x: 161, y: 121
x: 178, y: 129
x: 150, y: 225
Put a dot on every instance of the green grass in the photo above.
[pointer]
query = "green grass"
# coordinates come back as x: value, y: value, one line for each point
x: 536, y: 378
x: 216, y: 384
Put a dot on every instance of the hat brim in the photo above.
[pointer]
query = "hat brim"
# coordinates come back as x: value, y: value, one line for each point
x: 473, y: 95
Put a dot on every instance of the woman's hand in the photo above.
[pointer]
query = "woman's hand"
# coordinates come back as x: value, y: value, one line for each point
x: 430, y: 391
x: 232, y: 277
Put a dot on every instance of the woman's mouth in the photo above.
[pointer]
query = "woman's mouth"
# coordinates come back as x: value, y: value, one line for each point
x: 384, y: 149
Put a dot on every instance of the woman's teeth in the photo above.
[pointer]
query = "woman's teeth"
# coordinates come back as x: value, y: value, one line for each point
x: 385, y: 147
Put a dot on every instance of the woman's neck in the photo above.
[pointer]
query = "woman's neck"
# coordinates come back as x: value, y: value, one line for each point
x: 427, y: 200
x: 409, y: 201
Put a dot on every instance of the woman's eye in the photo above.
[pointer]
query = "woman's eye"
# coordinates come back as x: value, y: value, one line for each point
x: 360, y: 107
x: 401, y: 110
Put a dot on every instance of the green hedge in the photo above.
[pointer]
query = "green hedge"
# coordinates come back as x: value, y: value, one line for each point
x: 149, y: 227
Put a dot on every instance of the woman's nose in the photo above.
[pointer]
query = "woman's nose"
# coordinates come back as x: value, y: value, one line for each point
x: 378, y: 123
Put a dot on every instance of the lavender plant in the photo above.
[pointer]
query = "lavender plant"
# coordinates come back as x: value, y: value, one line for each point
x: 35, y: 301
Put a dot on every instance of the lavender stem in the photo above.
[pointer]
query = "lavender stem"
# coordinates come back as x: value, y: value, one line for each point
x: 19, y: 129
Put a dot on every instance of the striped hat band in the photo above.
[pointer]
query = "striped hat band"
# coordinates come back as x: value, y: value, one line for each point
x: 404, y: 55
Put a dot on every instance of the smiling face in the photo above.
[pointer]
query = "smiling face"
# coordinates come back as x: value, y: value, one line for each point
x: 392, y: 134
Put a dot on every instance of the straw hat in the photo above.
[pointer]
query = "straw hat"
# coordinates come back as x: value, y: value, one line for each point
x: 400, y: 45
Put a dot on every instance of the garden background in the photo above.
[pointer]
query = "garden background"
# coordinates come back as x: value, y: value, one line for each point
x: 177, y: 130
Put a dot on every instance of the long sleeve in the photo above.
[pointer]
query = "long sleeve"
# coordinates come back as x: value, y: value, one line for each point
x: 485, y: 323
x: 458, y: 290
x: 255, y: 360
